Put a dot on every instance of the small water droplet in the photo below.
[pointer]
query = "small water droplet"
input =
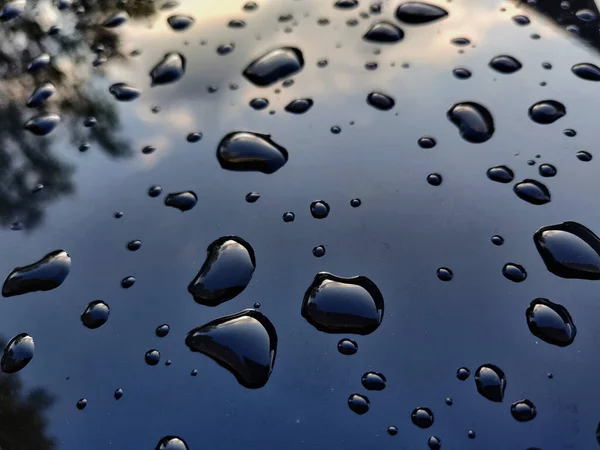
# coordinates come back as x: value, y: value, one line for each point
x: 521, y: 20
x: 434, y: 179
x: 505, y: 64
x: 335, y: 129
x: 152, y: 357
x: 170, y: 69
x: 345, y: 4
x: 550, y: 322
x: 225, y: 49
x: 134, y: 245
x: 491, y: 382
x: 247, y: 151
x: 236, y: 23
x: 81, y: 404
x: 193, y: 137
x: 569, y: 132
x: 118, y: 394
x: 523, y: 410
x: 434, y: 443
x: 41, y: 94
x: 550, y: 376
x: 171, y: 443
x: 299, y: 106
x: 461, y: 73
x: 250, y: 6
x: 471, y: 434
x: 90, y: 121
x: 124, y: 92
x: 392, y: 430
x: 180, y: 22
x: 274, y: 66
x: 183, y: 201
x: 532, y: 191
x: 463, y: 373
x: 118, y: 215
x: 500, y: 174
x: 259, y: 104
x: 95, y: 315
x: 46, y: 274
x: 252, y: 197
x: 168, y: 362
x: 384, y: 32
x: 319, y: 209
x: 380, y: 101
x: 148, y: 149
x: 288, y: 216
x: 358, y: 403
x: 162, y: 330
x: 117, y: 19
x: 474, y: 121
x: 497, y: 240
x: 154, y: 191
x: 583, y: 156
x: 426, y: 142
x: 514, y: 272
x: 547, y: 111
x: 419, y: 12
x: 43, y: 124
x: 547, y: 170
x: 449, y: 401
x: 355, y: 202
x: 422, y: 417
x: 17, y: 353
x: 444, y: 274
x: 373, y: 381
x: 127, y: 282
x: 347, y: 347
x: 319, y: 251
x: 460, y: 41
x: 322, y: 63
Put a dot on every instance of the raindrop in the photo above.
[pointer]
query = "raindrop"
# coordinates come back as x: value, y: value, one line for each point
x: 247, y: 151
x: 523, y: 410
x: 319, y: 251
x: 355, y: 202
x: 194, y: 137
x: 322, y: 63
x: 42, y: 124
x: 127, y: 282
x: 497, y: 240
x: 168, y: 362
x: 194, y: 372
x: 46, y: 274
x: 40, y: 95
x: 134, y: 245
x: 162, y: 330
x: 124, y: 92
x: 471, y: 434
x: 117, y: 19
x: 426, y: 142
x: 180, y: 22
x: 244, y: 343
x: 250, y: 6
x: 434, y: 443
x: 373, y: 381
x: 380, y: 101
x: 17, y: 353
x: 96, y: 314
x: 392, y: 430
x: 375, y: 8
x: 236, y: 23
x: 419, y: 12
x: 474, y: 121
x: 586, y: 15
x: 514, y: 272
x: 358, y: 403
x: 449, y: 401
x: 547, y: 111
x: 226, y: 272
x: 461, y: 41
x: 81, y: 404
x: 547, y: 170
x: 299, y: 106
x: 289, y: 216
x: 422, y: 417
x: 154, y: 191
x: 37, y: 188
x: 587, y: 71
x: 347, y: 347
x: 12, y: 10
x: 346, y: 4
x: 38, y: 62
x: 252, y: 197
x: 550, y: 322
x: 334, y: 304
x: 259, y: 103
x: 118, y: 394
x: 461, y: 73
x: 319, y: 209
x: 505, y: 64
x: 521, y: 20
x: 152, y: 357
x: 335, y: 129
x: 491, y: 382
x: 444, y: 274
x: 90, y: 122
x: 583, y: 156
x: 547, y: 65
x: 225, y: 49
x: 532, y: 191
x: 118, y: 214
x: 434, y: 179
x: 463, y: 373
x: 274, y: 66
x: 500, y: 174
x: 148, y: 149
x: 171, y: 443
x: 169, y: 70
x: 183, y: 201
x: 384, y: 32
x: 565, y: 4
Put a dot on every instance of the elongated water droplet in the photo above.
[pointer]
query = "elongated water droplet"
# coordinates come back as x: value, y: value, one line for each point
x: 288, y: 216
x: 505, y: 64
x: 550, y: 322
x: 96, y: 314
x: 497, y: 240
x: 583, y: 156
x: 274, y: 66
x: 461, y: 73
x: 183, y: 201
x: 225, y: 49
x: 475, y: 123
x: 532, y: 191
x: 319, y: 209
x: 134, y: 245
x: 343, y: 305
x: 124, y: 92
x: 523, y: 410
x: 346, y: 4
x: 419, y: 12
x: 380, y: 101
x: 46, y: 274
x: 17, y: 353
x: 117, y: 19
x: 491, y: 382
x: 162, y: 330
x: 500, y: 174
x: 299, y: 106
x: 547, y: 111
x: 152, y: 357
x: 41, y: 94
x: 585, y: 15
x: 587, y: 71
x: 373, y: 381
x: 514, y: 272
x: 244, y: 343
x: 118, y: 394
x: 127, y: 282
x: 81, y: 404
x: 384, y: 32
x: 444, y: 274
x: 39, y: 62
x: 434, y: 443
x: 422, y: 417
x: 347, y: 347
x: 247, y: 151
x: 171, y: 443
x: 521, y: 20
x: 358, y: 404
x: 42, y: 124
x: 461, y: 41
x: 226, y: 272
x: 426, y: 142
x: 180, y: 22
x: 169, y: 70
x: 236, y: 23
x: 154, y: 191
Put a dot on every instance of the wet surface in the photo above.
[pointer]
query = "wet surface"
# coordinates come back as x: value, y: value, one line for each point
x: 116, y: 78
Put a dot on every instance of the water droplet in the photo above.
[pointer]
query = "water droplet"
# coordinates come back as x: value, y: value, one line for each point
x: 497, y: 240
x: 90, y: 121
x: 434, y: 443
x: 168, y: 362
x: 380, y: 101
x: 550, y: 322
x: 322, y: 63
x: 274, y: 65
x: 461, y: 73
x: 259, y: 103
x: 42, y: 124
x: 532, y: 191
x: 244, y: 343
x: 569, y: 132
x: 117, y: 19
x: 550, y: 376
x: 319, y: 209
x: 358, y: 403
x: 250, y: 6
x: 587, y: 71
x: 334, y: 304
x: 547, y: 170
x: 547, y: 111
x: 474, y: 121
x: 41, y: 94
x: 226, y: 272
x: 247, y: 151
x: 523, y: 410
x: 346, y: 4
x: 500, y: 174
x: 583, y: 156
x: 355, y: 202
x: 225, y: 49
x: 422, y: 417
x: 569, y: 250
x: 373, y: 381
x: 38, y: 62
x: 434, y: 179
x: 460, y: 41
x: 118, y: 394
x: 183, y: 201
x: 521, y: 20
x: 426, y: 142
x: 169, y: 70
x: 194, y: 137
x: 347, y: 347
x: 152, y: 357
x: 46, y: 274
x: 124, y: 92
x: 335, y: 129
x: 444, y: 274
x: 134, y: 245
x: 289, y: 216
x: 514, y: 272
x: 12, y: 10
x: 384, y: 32
x: 392, y: 430
x: 491, y: 382
x: 81, y: 404
x: 236, y: 23
x: 586, y: 15
x: 118, y: 214
x: 419, y: 12
x: 547, y: 65
x: 505, y: 64
x: 319, y: 251
x: 154, y: 191
x: 127, y: 282
x: 565, y: 4
x: 471, y: 434
x: 17, y: 353
x: 96, y: 314
x: 463, y: 373
x: 449, y: 401
x: 299, y: 106
x: 148, y: 149
x: 180, y: 22
x: 252, y: 197
x: 171, y: 443
x: 162, y: 330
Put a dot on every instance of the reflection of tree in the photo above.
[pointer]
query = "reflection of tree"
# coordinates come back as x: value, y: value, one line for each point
x: 26, y: 159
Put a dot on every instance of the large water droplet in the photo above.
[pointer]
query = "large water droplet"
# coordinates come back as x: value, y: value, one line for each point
x: 347, y: 347
x: 384, y: 32
x: 124, y: 92
x: 514, y: 272
x: 500, y: 174
x: 569, y: 250
x: 46, y: 274
x: 152, y: 357
x: 247, y: 151
x: 343, y: 305
x: 42, y: 124
x: 298, y: 106
x: 17, y: 353
x: 523, y: 410
x: 358, y: 403
x: 274, y: 65
x: 183, y: 201
x: 419, y: 12
x: 172, y: 443
x: 319, y: 209
x: 547, y: 111
x: 41, y: 94
x: 505, y: 64
x: 550, y: 322
x: 583, y: 156
x: 474, y: 121
x: 169, y: 70
x: 117, y: 19
x: 373, y: 381
x: 226, y: 272
x: 491, y: 382
x: 96, y: 314
x: 532, y: 191
x: 587, y: 71
x: 180, y: 22
x: 244, y: 343
x: 380, y: 101
x: 422, y: 417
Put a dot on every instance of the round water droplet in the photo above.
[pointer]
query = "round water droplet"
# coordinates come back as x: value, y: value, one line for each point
x: 154, y: 191
x: 274, y: 66
x: 246, y: 151
x: 523, y: 410
x: 392, y: 430
x: 426, y: 142
x: 434, y: 443
x: 42, y: 124
x: 319, y: 251
x: 358, y: 403
x: 335, y: 129
x: 152, y: 357
x: 168, y: 362
x: 299, y: 106
x: 587, y: 71
x: 449, y: 401
x: 169, y: 70
x: 491, y: 382
x: 347, y: 347
x: 41, y: 94
x: 461, y: 73
x: 547, y: 170
x: 124, y: 92
x: 384, y: 32
x: 334, y: 304
x: 355, y: 202
x: 547, y: 111
x: 500, y: 174
x: 162, y: 330
x: 461, y: 41
x: 380, y: 101
x: 497, y: 240
x: 171, y: 443
x: 444, y: 274
x: 583, y: 156
x: 514, y: 272
x: 550, y: 322
x: 373, y: 381
x: 183, y: 201
x: 127, y: 282
x: 471, y: 434
x: 17, y: 353
x: 194, y: 137
x: 463, y: 373
x: 134, y: 245
x: 422, y: 417
x: 521, y: 20
x: 117, y: 19
x: 319, y: 209
x: 180, y: 22
x: 252, y: 197
x: 419, y: 12
x: 118, y: 394
x: 505, y: 64
x: 244, y: 343
x: 288, y: 216
x: 46, y: 274
x: 95, y: 315
x: 194, y: 372
x: 434, y: 179
x: 256, y: 305
x: 81, y: 404
x: 532, y: 191
x: 474, y: 121
x: 259, y: 104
